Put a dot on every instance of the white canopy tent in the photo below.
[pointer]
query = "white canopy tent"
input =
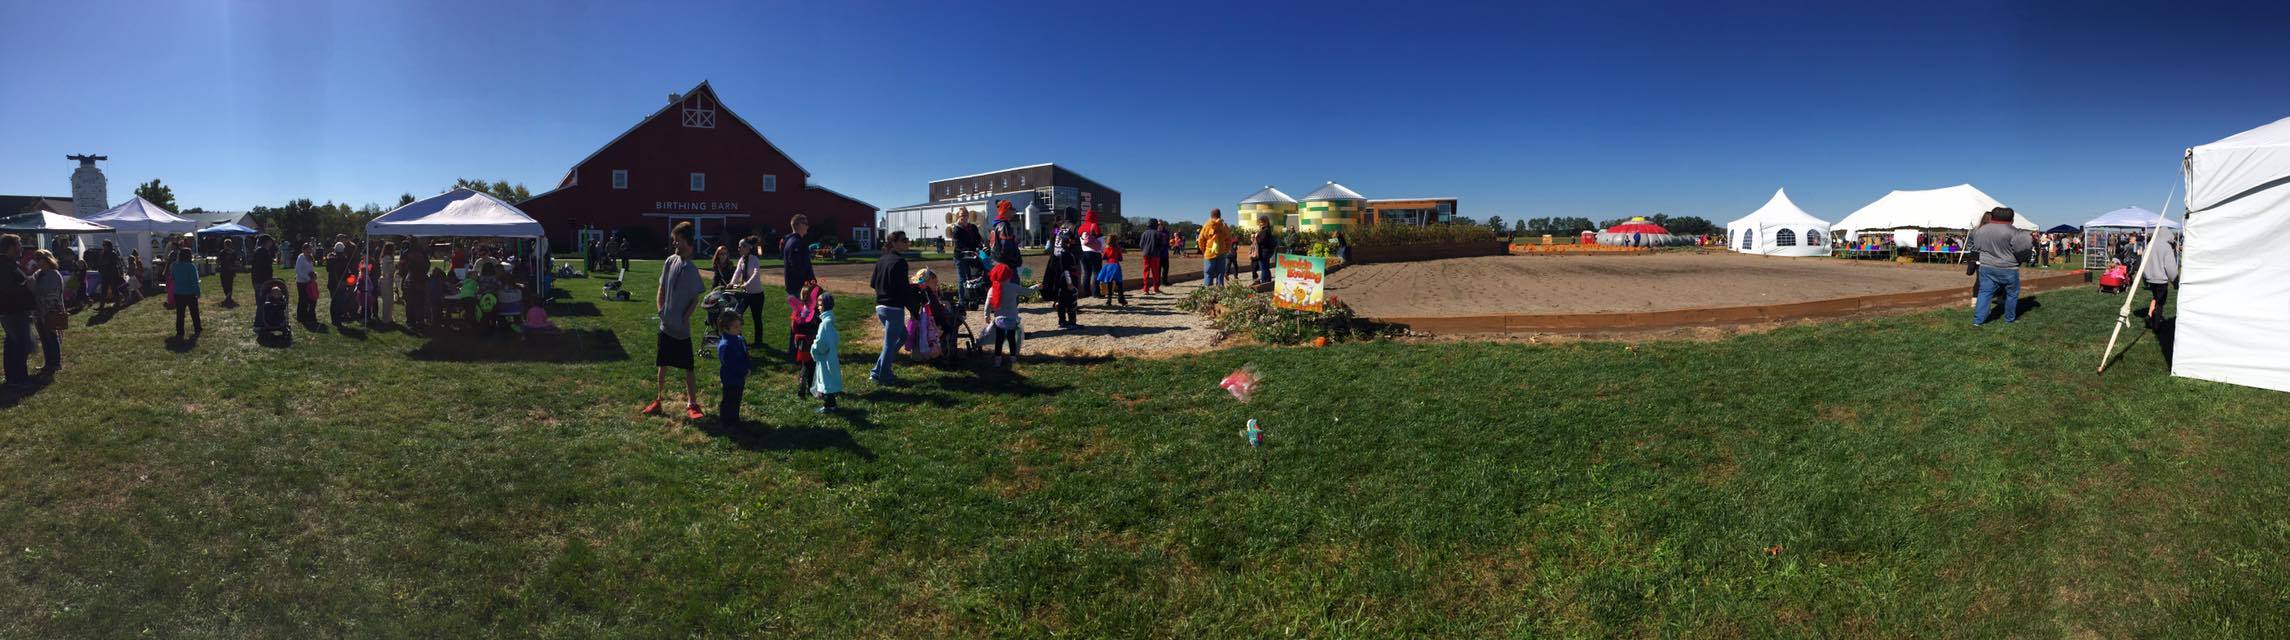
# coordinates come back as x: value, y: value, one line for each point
x: 1958, y: 208
x: 2130, y: 218
x: 1779, y: 229
x: 2234, y: 286
x: 466, y: 213
x: 139, y: 219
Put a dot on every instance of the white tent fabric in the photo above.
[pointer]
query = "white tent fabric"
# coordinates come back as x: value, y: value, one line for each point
x: 140, y: 220
x: 1958, y: 207
x: 2129, y: 218
x: 458, y: 213
x: 49, y: 222
x: 2234, y: 285
x: 1779, y: 228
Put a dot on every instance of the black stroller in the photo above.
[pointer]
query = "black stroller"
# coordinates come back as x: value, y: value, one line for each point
x: 719, y: 304
x: 270, y: 319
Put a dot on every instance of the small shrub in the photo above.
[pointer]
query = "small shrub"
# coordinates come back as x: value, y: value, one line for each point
x: 1237, y: 309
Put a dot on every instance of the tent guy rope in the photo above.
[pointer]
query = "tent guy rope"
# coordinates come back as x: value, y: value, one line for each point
x: 2131, y: 291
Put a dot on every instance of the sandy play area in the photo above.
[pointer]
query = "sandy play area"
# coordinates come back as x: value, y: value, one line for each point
x: 1607, y: 284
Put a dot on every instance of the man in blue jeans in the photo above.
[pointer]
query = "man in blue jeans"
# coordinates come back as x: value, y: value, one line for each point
x: 2000, y: 249
x: 894, y: 298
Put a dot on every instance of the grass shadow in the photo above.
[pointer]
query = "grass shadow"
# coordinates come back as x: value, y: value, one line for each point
x: 180, y: 344
x: 754, y: 436
x: 105, y: 314
x: 579, y: 345
x: 11, y: 396
x: 572, y: 309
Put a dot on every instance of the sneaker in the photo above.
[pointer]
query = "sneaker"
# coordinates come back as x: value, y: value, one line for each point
x: 692, y: 411
x: 825, y: 410
x: 651, y: 409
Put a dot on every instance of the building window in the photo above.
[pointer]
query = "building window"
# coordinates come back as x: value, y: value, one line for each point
x: 699, y: 182
x: 700, y: 114
x: 1005, y: 182
x: 1784, y: 238
x: 770, y: 182
x: 619, y: 178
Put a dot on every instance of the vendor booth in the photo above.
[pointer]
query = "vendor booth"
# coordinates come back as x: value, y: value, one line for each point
x: 1779, y: 229
x: 2103, y: 232
x: 143, y: 226
x: 466, y: 213
x: 1957, y: 208
x: 47, y: 223
x: 2234, y: 286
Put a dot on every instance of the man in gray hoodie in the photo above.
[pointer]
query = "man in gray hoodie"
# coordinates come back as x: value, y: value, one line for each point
x: 2001, y: 248
x: 2162, y: 269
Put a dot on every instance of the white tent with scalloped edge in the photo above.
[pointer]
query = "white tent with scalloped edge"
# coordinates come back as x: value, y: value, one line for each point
x: 2234, y: 281
x: 1779, y: 229
x: 1954, y: 208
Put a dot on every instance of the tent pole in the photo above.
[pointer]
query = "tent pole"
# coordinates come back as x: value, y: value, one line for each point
x: 2131, y: 289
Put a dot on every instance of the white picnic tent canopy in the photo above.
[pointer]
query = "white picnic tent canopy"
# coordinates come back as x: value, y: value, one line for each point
x: 466, y: 213
x: 2130, y: 218
x: 2234, y: 286
x: 1779, y: 229
x: 139, y: 219
x: 1959, y: 208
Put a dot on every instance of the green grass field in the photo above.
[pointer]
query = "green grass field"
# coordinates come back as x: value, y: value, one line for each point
x: 1907, y: 476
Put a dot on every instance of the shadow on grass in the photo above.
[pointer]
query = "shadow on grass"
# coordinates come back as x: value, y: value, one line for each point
x: 572, y: 309
x: 10, y: 396
x: 105, y: 314
x: 180, y: 344
x: 2026, y: 305
x: 581, y: 345
x: 755, y: 436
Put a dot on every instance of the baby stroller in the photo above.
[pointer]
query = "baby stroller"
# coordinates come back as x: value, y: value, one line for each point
x: 2115, y: 278
x: 612, y: 290
x: 719, y: 304
x: 270, y: 312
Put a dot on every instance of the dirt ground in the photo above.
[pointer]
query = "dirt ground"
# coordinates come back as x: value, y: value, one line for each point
x: 1607, y: 284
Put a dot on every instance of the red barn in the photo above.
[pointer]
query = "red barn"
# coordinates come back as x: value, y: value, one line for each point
x: 692, y: 160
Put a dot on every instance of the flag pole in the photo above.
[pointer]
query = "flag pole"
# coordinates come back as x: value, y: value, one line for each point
x: 2131, y: 289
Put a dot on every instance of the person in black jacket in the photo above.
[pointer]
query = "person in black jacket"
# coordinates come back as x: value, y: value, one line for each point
x: 967, y: 243
x: 16, y: 304
x: 1154, y: 243
x: 1267, y: 245
x: 894, y: 298
x: 795, y: 266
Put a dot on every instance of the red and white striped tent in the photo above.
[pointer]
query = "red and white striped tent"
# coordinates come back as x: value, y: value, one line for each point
x: 1638, y: 232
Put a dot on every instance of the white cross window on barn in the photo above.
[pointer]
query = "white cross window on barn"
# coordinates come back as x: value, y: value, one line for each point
x: 699, y: 113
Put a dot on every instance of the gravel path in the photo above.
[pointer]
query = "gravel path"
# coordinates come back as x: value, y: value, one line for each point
x: 1151, y: 326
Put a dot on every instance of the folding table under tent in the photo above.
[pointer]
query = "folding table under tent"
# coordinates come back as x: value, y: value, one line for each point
x: 1779, y: 229
x: 2127, y: 219
x: 48, y: 223
x: 1956, y: 208
x: 140, y: 219
x: 2234, y: 286
x: 466, y: 213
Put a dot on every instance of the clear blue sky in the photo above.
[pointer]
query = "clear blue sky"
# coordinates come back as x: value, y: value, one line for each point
x: 2061, y: 110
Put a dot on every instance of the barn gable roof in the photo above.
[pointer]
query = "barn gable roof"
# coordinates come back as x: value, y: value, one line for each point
x: 664, y: 111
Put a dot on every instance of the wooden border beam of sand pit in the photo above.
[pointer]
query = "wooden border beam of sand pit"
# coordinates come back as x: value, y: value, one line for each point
x: 1584, y: 323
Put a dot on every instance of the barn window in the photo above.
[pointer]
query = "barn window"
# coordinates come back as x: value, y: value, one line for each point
x: 619, y: 178
x: 770, y: 182
x: 1784, y: 238
x: 699, y: 182
x: 700, y: 114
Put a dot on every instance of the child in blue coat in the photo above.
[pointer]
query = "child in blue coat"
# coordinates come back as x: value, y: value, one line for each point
x: 826, y: 354
x: 732, y: 365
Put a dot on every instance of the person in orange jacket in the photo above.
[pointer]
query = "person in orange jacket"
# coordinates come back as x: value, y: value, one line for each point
x: 1216, y: 243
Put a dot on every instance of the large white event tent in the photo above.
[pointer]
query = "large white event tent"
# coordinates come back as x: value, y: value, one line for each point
x: 1956, y: 208
x: 140, y: 219
x: 466, y: 213
x: 2234, y: 286
x: 1779, y: 229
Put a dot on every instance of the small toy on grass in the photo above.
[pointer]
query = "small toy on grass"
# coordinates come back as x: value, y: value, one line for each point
x: 1254, y: 434
x: 1241, y: 384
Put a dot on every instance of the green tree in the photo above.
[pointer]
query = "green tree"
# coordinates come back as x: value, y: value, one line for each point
x: 1518, y: 227
x: 158, y: 194
x: 405, y: 199
x: 510, y: 193
x: 1496, y: 223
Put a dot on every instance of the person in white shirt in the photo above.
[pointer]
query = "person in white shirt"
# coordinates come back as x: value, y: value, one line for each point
x: 748, y: 279
x: 306, y: 286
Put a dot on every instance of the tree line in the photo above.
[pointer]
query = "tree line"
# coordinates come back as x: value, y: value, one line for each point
x: 303, y: 218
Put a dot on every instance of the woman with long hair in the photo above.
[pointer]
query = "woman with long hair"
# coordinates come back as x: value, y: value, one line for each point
x: 48, y: 296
